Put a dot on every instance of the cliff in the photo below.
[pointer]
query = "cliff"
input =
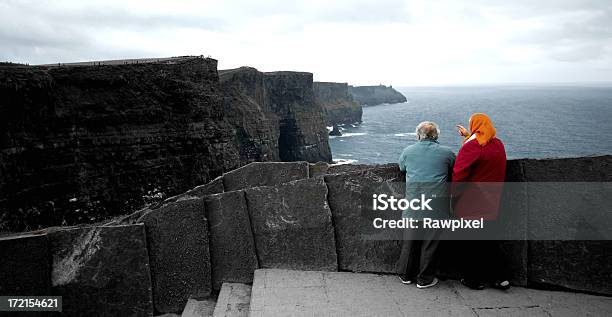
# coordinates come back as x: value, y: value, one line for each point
x: 80, y: 143
x: 303, y: 135
x: 338, y: 104
x: 275, y: 115
x: 244, y: 101
x: 375, y: 95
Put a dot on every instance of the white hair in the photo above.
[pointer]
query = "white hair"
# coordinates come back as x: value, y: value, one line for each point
x: 427, y: 130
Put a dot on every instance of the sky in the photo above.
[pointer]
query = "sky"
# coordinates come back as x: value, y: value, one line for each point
x: 392, y: 42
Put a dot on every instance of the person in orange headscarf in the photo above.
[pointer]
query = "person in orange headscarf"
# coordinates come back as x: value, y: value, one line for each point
x: 478, y: 176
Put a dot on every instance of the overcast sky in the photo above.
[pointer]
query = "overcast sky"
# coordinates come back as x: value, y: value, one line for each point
x: 396, y: 42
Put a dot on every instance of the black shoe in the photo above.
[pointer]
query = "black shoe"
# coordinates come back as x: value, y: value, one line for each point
x: 404, y: 279
x: 433, y: 283
x: 502, y: 285
x: 472, y: 284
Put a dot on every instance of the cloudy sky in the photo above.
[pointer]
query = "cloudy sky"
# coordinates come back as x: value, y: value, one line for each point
x: 396, y: 42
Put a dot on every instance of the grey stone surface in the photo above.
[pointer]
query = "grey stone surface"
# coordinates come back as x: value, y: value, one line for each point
x: 177, y: 236
x: 199, y: 308
x: 592, y: 169
x: 101, y: 271
x: 292, y: 225
x: 350, y: 202
x: 232, y: 248
x: 317, y: 169
x: 24, y: 267
x: 233, y: 300
x: 562, y: 206
x: 578, y: 265
x: 264, y: 174
x: 301, y: 293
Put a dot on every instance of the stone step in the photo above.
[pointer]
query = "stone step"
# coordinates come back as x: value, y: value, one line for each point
x: 233, y: 300
x: 199, y: 308
x: 314, y: 293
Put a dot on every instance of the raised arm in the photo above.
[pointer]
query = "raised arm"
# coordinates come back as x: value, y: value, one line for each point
x: 467, y: 157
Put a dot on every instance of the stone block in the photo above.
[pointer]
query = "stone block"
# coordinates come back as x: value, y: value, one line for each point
x: 292, y: 226
x: 317, y: 169
x: 101, y: 271
x: 233, y: 301
x: 264, y: 174
x: 199, y: 308
x: 359, y: 245
x: 177, y: 236
x: 569, y: 222
x: 25, y: 268
x: 232, y: 248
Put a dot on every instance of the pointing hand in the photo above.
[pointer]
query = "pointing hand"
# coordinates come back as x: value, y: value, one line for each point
x: 462, y: 130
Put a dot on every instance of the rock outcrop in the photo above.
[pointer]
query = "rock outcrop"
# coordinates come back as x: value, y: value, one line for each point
x: 85, y: 142
x: 375, y: 95
x: 338, y: 104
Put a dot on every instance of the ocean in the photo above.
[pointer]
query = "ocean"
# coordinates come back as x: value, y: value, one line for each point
x: 532, y: 121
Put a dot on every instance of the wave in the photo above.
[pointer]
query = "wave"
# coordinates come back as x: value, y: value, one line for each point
x: 405, y: 134
x: 343, y: 161
x: 348, y: 134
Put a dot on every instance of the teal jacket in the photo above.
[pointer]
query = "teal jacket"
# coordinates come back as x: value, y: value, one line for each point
x: 429, y: 167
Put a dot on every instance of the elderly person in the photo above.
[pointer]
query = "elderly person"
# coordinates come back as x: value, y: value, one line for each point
x: 428, y: 166
x: 478, y: 178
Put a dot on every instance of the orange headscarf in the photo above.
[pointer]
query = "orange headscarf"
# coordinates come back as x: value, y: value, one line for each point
x: 482, y: 127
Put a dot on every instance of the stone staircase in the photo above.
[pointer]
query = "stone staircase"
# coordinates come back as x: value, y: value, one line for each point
x: 233, y: 301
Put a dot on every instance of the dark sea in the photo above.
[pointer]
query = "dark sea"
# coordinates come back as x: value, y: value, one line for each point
x: 532, y: 121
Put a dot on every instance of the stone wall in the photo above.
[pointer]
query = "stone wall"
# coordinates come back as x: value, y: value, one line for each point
x: 338, y: 104
x: 375, y: 95
x: 83, y: 143
x: 277, y: 215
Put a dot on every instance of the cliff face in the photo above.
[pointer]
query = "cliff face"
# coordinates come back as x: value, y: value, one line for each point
x: 275, y: 115
x: 303, y: 135
x: 338, y: 104
x: 83, y: 143
x: 257, y: 127
x: 375, y: 95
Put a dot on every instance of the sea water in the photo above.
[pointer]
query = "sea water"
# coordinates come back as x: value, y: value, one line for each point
x: 532, y: 121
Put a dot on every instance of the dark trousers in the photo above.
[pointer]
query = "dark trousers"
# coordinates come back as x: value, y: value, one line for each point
x: 483, y: 261
x: 418, y: 257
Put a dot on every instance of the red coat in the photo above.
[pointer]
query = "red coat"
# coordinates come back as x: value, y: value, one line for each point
x: 484, y: 168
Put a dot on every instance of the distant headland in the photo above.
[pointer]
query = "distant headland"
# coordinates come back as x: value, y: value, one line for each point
x: 375, y: 95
